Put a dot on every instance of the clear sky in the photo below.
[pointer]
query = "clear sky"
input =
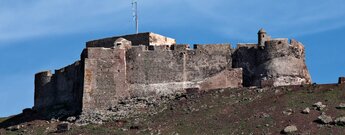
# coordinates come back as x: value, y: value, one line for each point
x: 38, y: 35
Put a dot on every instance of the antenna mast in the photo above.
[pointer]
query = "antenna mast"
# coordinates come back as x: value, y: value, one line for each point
x: 135, y: 15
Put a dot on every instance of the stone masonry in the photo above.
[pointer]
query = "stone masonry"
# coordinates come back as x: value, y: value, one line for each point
x: 148, y: 64
x: 274, y: 62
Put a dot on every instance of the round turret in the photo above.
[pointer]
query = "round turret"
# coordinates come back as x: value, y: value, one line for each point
x: 262, y: 38
x: 262, y: 31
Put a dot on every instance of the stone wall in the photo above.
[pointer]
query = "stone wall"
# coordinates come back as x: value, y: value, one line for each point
x: 245, y: 57
x: 162, y: 69
x: 63, y: 89
x: 107, y: 73
x: 278, y: 63
x: 105, y: 77
x: 114, y: 73
x: 283, y: 63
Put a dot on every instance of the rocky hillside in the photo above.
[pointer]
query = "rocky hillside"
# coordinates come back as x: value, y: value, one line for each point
x: 309, y: 109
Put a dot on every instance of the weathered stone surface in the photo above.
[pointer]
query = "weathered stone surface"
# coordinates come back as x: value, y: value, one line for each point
x: 71, y: 119
x: 122, y: 43
x: 60, y: 90
x: 340, y: 121
x: 275, y: 63
x: 104, y: 78
x: 306, y: 110
x: 324, y: 119
x: 225, y: 79
x: 163, y: 70
x: 14, y: 128
x: 341, y: 106
x: 290, y: 129
x: 288, y: 112
x: 148, y: 64
x: 319, y: 106
x: 63, y: 127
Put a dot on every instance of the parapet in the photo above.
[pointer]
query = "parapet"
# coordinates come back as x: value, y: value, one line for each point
x: 147, y: 38
x: 279, y: 41
x: 42, y: 78
x: 180, y: 47
x: 183, y: 47
x: 212, y: 46
x: 246, y: 45
x: 44, y: 73
x: 101, y: 52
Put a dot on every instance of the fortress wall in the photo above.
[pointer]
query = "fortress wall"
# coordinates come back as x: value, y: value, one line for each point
x: 229, y: 78
x: 277, y: 63
x: 273, y: 49
x: 159, y: 69
x: 69, y: 85
x: 153, y: 65
x: 62, y: 89
x: 108, y: 73
x: 178, y: 65
x: 44, y: 90
x: 282, y: 63
x: 245, y: 57
x: 105, y: 77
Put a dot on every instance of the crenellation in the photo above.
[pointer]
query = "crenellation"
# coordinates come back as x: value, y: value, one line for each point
x: 294, y: 42
x: 61, y: 89
x: 159, y: 48
x: 212, y: 46
x: 147, y: 64
x: 277, y: 41
x: 42, y: 84
x: 246, y: 45
x: 47, y: 73
x: 101, y: 52
x: 43, y: 90
x: 181, y: 47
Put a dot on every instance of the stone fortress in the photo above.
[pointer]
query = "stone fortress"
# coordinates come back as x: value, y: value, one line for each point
x: 148, y: 64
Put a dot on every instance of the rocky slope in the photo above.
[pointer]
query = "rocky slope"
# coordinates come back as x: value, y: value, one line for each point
x: 308, y: 109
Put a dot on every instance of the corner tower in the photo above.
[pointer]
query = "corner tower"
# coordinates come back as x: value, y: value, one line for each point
x: 262, y: 37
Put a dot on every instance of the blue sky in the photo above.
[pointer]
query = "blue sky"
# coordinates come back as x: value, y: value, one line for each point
x: 37, y: 35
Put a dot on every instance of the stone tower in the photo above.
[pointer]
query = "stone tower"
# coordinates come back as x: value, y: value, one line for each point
x: 272, y: 62
x: 262, y: 38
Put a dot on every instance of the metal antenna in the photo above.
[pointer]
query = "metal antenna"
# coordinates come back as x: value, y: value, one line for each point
x: 135, y: 15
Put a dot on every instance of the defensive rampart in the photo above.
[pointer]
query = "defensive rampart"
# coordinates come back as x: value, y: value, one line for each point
x: 148, y: 64
x: 63, y: 89
x: 277, y: 63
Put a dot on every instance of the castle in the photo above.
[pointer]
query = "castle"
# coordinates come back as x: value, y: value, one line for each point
x: 148, y: 64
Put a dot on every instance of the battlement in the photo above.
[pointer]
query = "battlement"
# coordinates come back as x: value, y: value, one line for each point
x: 148, y: 64
x: 184, y: 47
x: 64, y: 87
x: 246, y: 45
x: 44, y: 73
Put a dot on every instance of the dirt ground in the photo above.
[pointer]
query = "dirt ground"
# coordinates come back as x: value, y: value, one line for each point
x: 226, y: 111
